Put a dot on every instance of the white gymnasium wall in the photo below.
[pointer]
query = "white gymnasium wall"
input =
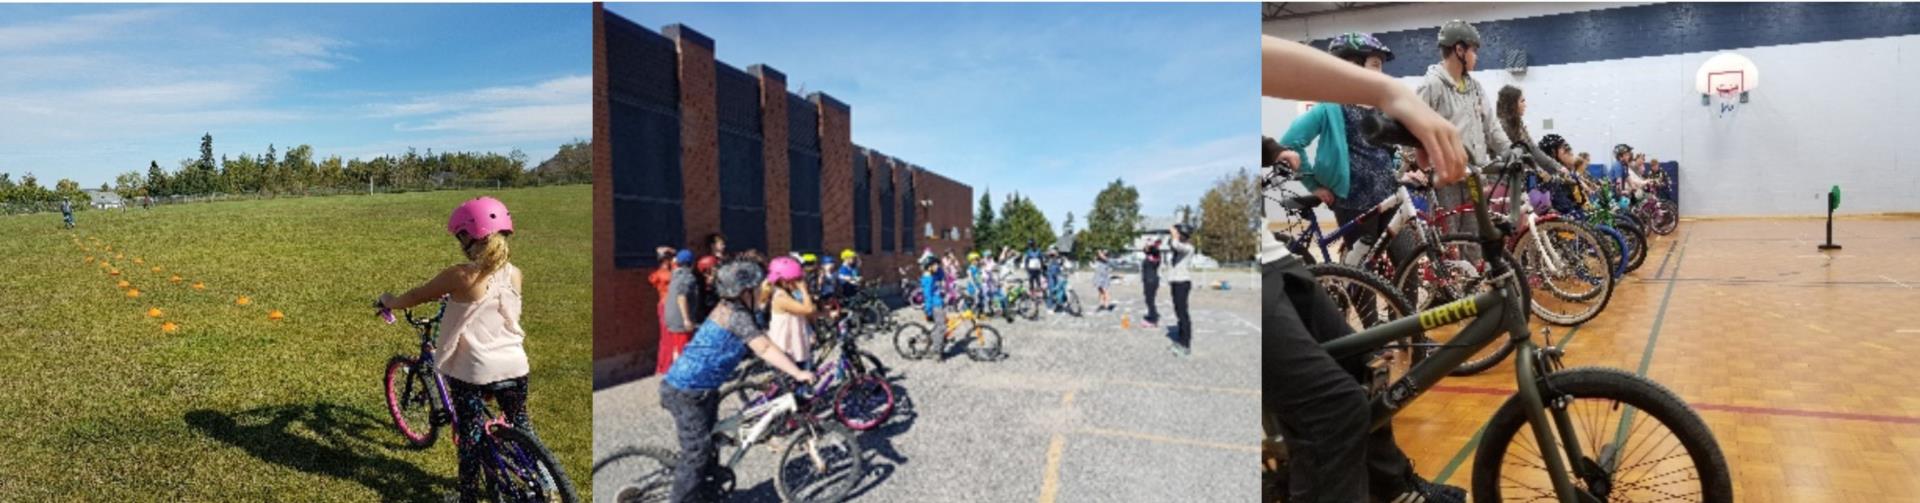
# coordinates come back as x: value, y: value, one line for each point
x: 1825, y: 114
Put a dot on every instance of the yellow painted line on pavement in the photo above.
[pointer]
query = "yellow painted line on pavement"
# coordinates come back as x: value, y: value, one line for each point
x: 1050, y: 485
x: 1817, y: 328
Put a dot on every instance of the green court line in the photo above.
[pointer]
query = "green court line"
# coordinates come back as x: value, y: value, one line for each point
x: 1459, y: 457
x: 1653, y: 337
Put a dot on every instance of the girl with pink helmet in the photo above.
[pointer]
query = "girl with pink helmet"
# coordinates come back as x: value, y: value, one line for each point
x: 481, y: 345
x: 790, y: 304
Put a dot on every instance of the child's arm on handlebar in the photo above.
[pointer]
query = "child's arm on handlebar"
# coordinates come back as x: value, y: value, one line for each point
x: 763, y: 347
x: 443, y: 284
x: 1293, y: 71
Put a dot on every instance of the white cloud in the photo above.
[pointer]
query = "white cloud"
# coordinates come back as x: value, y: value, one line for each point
x: 307, y: 52
x: 74, y: 29
x: 555, y: 109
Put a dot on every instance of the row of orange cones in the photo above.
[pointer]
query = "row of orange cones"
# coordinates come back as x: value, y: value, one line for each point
x: 155, y: 312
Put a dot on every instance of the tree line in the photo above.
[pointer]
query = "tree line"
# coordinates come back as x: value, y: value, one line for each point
x: 1225, y: 226
x: 298, y: 170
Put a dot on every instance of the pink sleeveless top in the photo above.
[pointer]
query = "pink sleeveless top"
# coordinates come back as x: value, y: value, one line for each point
x: 481, y: 342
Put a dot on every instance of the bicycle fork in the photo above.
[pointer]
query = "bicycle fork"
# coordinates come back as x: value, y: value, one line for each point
x: 1530, y: 374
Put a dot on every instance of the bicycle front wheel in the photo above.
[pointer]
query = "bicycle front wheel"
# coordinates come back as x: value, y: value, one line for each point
x: 983, y: 343
x: 635, y: 475
x: 864, y: 403
x: 1628, y: 429
x: 522, y: 469
x: 410, y: 401
x: 1073, y: 303
x: 822, y: 464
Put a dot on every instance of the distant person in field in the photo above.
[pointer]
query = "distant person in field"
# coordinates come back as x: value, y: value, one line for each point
x: 1102, y: 278
x: 66, y: 212
x: 1150, y: 281
x: 481, y: 345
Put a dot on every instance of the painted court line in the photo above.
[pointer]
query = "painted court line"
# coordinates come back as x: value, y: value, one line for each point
x: 1050, y: 484
x: 1895, y: 281
x: 1907, y: 331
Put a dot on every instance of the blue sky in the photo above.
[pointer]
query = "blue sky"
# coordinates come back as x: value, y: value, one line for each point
x: 89, y: 91
x: 1051, y: 100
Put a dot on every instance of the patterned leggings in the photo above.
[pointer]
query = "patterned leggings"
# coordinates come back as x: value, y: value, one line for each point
x: 468, y: 402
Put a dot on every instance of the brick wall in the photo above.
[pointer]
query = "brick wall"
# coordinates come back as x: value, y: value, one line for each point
x: 836, y: 172
x: 773, y: 127
x: 626, y: 324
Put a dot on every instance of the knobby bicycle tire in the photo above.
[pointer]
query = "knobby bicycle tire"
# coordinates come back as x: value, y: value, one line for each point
x: 1640, y: 395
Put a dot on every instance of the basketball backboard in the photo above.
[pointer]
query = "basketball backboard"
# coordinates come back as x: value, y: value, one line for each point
x: 1727, y: 74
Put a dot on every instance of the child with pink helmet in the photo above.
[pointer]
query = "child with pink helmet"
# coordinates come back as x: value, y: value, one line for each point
x: 481, y: 344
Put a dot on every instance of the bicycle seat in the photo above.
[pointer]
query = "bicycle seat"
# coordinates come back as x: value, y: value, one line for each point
x: 1300, y: 203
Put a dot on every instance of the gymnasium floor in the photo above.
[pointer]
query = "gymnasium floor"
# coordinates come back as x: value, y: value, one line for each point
x: 1792, y: 356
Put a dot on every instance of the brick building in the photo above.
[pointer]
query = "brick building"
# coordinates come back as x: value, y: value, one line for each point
x: 698, y: 146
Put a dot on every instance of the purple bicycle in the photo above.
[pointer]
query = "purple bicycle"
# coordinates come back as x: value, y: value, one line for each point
x: 515, y: 465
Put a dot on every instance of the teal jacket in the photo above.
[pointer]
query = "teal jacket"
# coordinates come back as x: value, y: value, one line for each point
x: 1328, y: 166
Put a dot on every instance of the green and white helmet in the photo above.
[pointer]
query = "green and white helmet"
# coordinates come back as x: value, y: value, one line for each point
x: 1456, y: 32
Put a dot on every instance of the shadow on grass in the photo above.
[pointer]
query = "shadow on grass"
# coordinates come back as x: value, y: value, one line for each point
x: 324, y: 439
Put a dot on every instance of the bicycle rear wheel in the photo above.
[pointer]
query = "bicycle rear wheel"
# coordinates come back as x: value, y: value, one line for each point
x: 635, y: 475
x: 1573, y: 289
x: 1636, y: 243
x: 410, y: 401
x: 1664, y: 218
x: 522, y: 469
x: 1628, y: 429
x: 913, y: 340
x: 1368, y: 302
x: 822, y: 463
x: 1027, y: 307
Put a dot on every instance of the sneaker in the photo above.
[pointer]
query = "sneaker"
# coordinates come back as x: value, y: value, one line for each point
x: 1180, y: 351
x: 1149, y: 324
x: 1422, y: 491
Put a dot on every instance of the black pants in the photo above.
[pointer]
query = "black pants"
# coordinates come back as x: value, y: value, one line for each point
x: 468, y: 401
x: 694, y: 413
x: 1322, y: 410
x: 1183, y: 333
x: 1153, y: 292
x: 1398, y: 251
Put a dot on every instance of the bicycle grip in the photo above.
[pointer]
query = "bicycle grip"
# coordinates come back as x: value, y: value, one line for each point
x: 1383, y: 130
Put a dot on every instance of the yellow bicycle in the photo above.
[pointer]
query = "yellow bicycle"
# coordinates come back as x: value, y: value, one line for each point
x: 915, y: 341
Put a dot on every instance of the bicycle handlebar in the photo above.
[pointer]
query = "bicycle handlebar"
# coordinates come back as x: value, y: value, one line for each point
x: 1384, y: 130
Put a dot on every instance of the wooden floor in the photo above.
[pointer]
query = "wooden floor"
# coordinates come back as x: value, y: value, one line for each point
x: 1800, y: 361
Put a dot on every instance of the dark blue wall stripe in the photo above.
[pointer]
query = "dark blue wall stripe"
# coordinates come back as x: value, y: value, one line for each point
x: 1655, y: 30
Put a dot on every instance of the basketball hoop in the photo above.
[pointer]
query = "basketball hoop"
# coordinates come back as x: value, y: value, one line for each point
x: 1730, y: 77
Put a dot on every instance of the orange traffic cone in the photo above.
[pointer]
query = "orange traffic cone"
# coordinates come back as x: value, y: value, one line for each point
x: 1125, y: 323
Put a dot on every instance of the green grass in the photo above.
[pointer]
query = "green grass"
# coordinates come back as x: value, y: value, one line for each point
x: 100, y: 404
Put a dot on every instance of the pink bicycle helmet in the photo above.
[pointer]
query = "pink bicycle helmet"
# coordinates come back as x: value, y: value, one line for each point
x: 783, y: 269
x: 479, y: 218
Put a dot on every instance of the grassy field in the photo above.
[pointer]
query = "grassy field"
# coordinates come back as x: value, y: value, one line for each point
x: 102, y: 403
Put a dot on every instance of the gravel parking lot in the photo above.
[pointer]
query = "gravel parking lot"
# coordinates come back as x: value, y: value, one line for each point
x: 1081, y: 410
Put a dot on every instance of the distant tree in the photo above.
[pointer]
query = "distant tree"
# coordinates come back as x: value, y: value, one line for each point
x: 1115, y: 219
x: 1021, y: 221
x: 1230, y: 218
x: 984, y: 237
x: 157, y: 181
x: 572, y: 164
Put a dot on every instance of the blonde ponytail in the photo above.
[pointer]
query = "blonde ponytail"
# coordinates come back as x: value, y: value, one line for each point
x: 489, y: 254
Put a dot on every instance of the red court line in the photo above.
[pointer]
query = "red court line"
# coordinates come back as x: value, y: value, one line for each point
x: 1739, y: 409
